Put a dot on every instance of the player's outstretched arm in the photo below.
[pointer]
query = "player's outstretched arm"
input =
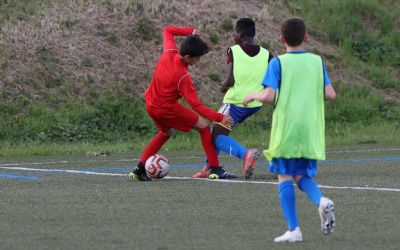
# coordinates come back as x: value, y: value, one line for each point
x: 188, y: 92
x: 170, y: 32
x: 267, y: 95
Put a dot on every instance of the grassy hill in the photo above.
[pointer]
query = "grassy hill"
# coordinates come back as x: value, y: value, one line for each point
x: 75, y: 71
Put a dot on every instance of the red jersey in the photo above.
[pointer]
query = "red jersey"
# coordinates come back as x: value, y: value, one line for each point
x: 171, y: 80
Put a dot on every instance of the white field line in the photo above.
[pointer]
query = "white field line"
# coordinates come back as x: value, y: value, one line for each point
x: 189, y: 178
x: 363, y: 150
x: 70, y: 171
x: 177, y: 157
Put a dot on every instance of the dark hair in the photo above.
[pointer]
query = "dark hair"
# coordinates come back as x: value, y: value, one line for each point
x: 193, y: 46
x: 247, y: 26
x: 293, y: 30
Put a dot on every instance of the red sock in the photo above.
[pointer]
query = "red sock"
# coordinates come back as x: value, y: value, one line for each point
x: 208, y: 147
x: 153, y: 146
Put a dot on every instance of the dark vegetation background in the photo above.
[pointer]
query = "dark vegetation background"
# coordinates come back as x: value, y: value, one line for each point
x: 74, y: 71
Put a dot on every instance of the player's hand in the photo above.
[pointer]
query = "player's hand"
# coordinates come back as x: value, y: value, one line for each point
x: 227, y: 120
x: 196, y: 32
x: 247, y: 99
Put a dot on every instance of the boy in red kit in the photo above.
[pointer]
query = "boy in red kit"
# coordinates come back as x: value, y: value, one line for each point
x: 171, y: 81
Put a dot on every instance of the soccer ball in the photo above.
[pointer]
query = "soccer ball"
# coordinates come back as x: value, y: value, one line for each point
x: 157, y: 166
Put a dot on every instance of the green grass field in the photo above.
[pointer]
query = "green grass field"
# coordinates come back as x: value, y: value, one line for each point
x: 45, y: 204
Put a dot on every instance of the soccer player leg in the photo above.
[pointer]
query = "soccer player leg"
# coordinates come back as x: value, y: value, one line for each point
x: 327, y: 216
x: 325, y: 206
x: 209, y: 149
x: 220, y: 134
x: 205, y: 171
x: 216, y: 171
x: 155, y: 144
x: 208, y: 146
x: 217, y: 130
x: 224, y: 143
x: 310, y: 187
x: 229, y: 145
x: 287, y: 198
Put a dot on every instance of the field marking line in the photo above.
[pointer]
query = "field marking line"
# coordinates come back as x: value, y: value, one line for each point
x: 189, y: 178
x: 362, y: 188
x: 363, y: 150
x: 19, y: 177
x: 70, y: 171
x: 189, y: 157
x: 276, y: 183
x: 178, y: 157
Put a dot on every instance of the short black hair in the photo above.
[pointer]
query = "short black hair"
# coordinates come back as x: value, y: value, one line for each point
x: 193, y: 46
x: 247, y: 26
x: 293, y: 30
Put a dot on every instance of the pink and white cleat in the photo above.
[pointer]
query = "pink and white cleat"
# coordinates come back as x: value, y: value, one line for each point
x: 250, y: 158
x: 203, y: 173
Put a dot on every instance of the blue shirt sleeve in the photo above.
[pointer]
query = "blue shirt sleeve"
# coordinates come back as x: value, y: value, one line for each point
x: 272, y: 77
x: 327, y: 81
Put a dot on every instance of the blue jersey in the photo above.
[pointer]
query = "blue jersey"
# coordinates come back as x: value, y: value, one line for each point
x: 272, y: 77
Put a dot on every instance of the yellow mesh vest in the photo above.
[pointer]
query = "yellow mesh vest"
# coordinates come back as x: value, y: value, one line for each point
x: 298, y: 122
x: 248, y: 73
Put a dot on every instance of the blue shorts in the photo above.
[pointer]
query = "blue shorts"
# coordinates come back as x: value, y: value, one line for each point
x: 293, y: 167
x: 239, y: 114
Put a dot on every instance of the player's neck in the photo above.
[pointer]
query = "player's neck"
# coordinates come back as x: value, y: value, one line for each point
x: 248, y: 40
x: 295, y: 48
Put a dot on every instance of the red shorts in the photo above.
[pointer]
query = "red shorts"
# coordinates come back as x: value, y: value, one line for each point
x: 180, y: 118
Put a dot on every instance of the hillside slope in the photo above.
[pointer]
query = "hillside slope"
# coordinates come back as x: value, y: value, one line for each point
x: 77, y: 49
x: 76, y: 70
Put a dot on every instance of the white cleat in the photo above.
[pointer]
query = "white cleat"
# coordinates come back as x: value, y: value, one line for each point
x: 325, y: 210
x: 290, y: 236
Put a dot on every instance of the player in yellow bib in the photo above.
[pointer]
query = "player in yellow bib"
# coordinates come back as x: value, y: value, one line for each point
x: 297, y: 83
x: 247, y: 62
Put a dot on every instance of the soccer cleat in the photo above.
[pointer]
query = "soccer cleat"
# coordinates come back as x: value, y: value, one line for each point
x: 290, y: 236
x: 203, y: 173
x: 250, y: 158
x: 220, y: 173
x: 325, y: 210
x: 139, y: 174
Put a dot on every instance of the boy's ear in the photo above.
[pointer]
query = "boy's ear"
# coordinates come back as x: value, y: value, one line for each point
x: 186, y: 58
x: 306, y: 37
x: 238, y: 37
x: 282, y: 39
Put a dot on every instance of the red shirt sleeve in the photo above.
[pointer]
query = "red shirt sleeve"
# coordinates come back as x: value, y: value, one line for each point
x: 189, y: 93
x: 169, y: 34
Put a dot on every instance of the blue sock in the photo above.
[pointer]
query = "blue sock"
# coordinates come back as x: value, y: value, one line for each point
x: 310, y: 187
x: 287, y: 198
x: 228, y: 145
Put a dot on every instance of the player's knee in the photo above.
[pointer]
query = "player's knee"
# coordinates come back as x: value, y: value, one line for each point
x: 219, y: 130
x: 201, y: 123
x: 297, y: 178
x: 283, y: 178
x: 168, y: 133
